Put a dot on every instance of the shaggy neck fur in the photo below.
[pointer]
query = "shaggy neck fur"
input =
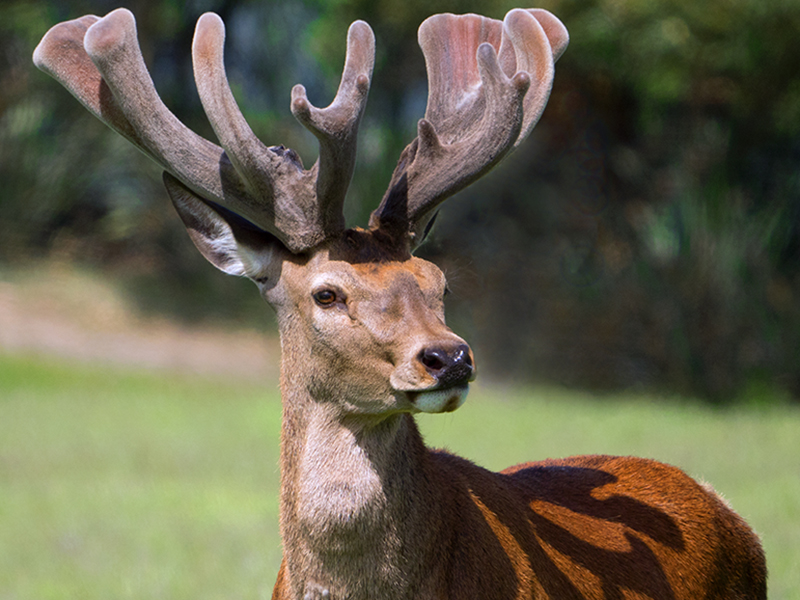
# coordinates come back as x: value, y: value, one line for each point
x: 357, y: 500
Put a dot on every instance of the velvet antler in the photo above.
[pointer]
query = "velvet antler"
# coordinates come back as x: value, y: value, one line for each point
x: 100, y: 63
x: 489, y: 82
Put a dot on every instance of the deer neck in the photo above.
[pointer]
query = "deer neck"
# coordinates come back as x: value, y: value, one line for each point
x: 357, y: 504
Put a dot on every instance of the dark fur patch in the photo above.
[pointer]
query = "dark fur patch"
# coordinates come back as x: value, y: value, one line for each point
x: 359, y: 246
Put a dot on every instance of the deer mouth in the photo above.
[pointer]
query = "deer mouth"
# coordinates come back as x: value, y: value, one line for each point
x: 440, y: 400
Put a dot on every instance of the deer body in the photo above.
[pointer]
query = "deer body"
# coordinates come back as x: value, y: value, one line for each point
x: 367, y: 511
x: 431, y: 525
x: 575, y: 528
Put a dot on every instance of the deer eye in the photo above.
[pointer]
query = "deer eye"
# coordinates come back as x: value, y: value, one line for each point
x: 325, y: 297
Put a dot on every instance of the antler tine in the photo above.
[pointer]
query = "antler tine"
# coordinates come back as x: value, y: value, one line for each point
x: 112, y: 45
x: 283, y: 190
x: 336, y: 127
x: 248, y: 154
x: 99, y: 61
x: 531, y: 31
x: 61, y: 55
x: 479, y: 107
x: 554, y: 29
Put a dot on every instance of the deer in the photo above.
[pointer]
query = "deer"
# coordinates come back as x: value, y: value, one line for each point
x: 366, y: 509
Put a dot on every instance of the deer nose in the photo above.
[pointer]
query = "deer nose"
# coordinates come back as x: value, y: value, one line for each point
x: 449, y: 366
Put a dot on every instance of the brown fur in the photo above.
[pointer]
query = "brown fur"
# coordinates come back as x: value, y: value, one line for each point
x: 586, y: 527
x: 367, y: 511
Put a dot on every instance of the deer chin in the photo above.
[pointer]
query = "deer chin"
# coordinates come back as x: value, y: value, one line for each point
x: 442, y: 400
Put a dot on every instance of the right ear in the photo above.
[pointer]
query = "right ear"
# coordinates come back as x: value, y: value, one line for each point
x: 228, y: 242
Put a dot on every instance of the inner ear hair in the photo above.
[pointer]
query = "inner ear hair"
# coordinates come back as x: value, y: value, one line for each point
x: 225, y: 239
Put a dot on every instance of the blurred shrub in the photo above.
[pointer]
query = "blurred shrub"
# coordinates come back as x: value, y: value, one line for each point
x: 647, y: 234
x: 651, y: 233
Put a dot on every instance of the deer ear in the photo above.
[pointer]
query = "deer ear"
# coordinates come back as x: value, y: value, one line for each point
x: 228, y: 241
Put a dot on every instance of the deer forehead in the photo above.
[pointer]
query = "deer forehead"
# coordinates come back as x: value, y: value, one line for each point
x: 394, y: 277
x: 373, y: 278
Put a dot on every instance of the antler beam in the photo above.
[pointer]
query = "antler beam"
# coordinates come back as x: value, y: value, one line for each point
x: 99, y: 61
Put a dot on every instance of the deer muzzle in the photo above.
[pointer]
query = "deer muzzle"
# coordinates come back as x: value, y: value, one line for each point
x: 451, y: 367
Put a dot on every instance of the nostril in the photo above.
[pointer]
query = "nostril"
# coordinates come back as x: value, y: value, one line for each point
x: 434, y: 359
x: 461, y: 355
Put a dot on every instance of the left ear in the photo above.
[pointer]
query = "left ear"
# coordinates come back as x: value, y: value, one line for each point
x: 228, y: 241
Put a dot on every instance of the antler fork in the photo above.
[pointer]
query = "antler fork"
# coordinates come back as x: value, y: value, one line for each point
x: 99, y: 61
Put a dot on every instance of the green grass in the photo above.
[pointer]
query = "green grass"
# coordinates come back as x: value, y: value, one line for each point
x: 126, y: 485
x: 119, y: 484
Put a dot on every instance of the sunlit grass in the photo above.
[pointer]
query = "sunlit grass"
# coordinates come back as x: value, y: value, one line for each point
x: 120, y: 484
x: 117, y: 485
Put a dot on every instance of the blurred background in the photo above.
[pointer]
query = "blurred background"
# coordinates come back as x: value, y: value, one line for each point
x: 629, y: 279
x: 646, y: 236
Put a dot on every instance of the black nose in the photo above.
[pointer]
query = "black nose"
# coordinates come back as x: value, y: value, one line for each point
x: 450, y: 366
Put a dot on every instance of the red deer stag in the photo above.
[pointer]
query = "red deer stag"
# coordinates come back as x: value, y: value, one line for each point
x: 367, y: 511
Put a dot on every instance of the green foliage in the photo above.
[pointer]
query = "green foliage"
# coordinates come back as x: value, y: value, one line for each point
x: 653, y: 236
x: 648, y: 234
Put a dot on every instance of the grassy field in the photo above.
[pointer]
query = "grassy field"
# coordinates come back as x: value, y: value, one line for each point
x: 124, y: 484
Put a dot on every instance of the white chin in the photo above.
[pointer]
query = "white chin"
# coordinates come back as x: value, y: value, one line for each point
x: 441, y: 401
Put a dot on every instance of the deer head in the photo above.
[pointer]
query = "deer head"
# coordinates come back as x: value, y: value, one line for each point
x: 356, y: 309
